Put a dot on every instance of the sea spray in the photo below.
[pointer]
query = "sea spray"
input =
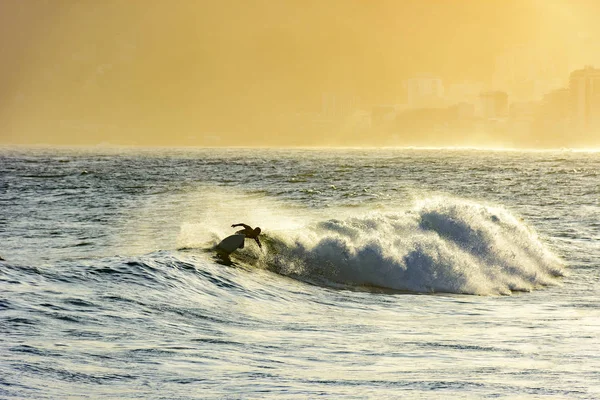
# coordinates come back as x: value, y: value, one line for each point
x: 437, y: 244
x: 440, y: 245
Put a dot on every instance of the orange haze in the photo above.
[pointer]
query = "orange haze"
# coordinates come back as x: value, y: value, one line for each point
x: 288, y: 72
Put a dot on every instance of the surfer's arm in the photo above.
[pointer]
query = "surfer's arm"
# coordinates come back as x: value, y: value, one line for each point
x: 258, y: 242
x: 244, y: 225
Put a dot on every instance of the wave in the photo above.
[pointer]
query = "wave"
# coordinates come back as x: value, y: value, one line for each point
x: 440, y: 245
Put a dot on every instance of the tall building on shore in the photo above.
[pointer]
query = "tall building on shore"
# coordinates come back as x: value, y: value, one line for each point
x: 552, y: 125
x: 584, y: 89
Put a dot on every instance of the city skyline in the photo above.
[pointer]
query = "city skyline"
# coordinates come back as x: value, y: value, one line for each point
x: 258, y: 73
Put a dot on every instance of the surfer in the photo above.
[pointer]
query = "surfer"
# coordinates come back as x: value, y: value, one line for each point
x: 249, y: 233
x: 236, y: 241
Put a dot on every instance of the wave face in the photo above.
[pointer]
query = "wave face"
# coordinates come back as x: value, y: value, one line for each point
x: 441, y: 245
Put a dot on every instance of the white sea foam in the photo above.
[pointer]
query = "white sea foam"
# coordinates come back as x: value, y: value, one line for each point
x: 437, y: 244
x: 440, y: 245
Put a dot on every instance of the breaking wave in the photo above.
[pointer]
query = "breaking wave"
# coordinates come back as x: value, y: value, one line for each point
x: 440, y: 245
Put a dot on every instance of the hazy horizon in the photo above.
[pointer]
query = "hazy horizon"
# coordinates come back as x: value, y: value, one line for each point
x: 291, y: 73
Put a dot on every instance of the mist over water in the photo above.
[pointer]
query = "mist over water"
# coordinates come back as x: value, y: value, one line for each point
x: 383, y: 273
x: 263, y: 73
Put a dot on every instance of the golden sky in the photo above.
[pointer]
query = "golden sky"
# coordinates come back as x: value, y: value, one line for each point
x: 255, y: 72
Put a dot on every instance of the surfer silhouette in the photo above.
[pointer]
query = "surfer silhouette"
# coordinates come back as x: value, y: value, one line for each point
x: 236, y: 241
x: 249, y: 233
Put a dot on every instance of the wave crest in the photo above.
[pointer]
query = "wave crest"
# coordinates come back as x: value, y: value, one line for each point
x: 441, y: 245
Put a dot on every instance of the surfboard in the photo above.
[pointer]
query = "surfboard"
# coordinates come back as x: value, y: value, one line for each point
x: 231, y: 243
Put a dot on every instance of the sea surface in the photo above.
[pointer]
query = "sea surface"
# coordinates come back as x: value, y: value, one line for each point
x: 384, y: 273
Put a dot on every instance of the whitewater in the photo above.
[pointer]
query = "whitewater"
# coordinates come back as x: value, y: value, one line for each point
x: 384, y: 273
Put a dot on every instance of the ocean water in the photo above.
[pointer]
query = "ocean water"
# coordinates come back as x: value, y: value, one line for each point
x: 384, y: 273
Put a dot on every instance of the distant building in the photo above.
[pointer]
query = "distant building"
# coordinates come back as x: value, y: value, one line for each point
x: 584, y: 90
x: 494, y: 104
x: 557, y: 104
x: 425, y: 92
x: 552, y: 122
x: 522, y: 116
